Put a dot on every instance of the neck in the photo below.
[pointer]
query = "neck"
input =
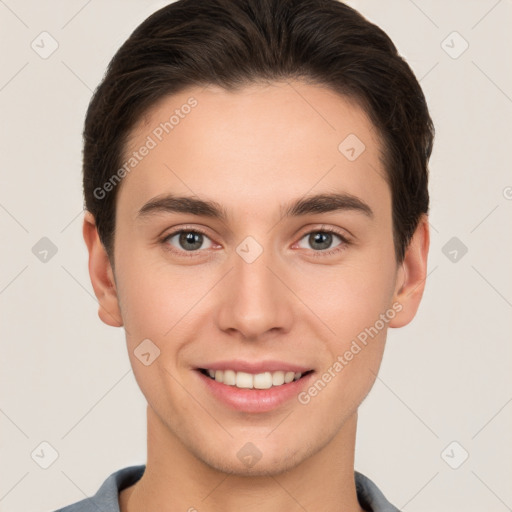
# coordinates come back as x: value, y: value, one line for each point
x: 176, y: 480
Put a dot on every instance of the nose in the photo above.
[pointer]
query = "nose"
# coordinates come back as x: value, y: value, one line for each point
x: 254, y: 299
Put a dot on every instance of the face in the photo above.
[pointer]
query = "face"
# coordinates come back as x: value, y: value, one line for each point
x: 280, y: 263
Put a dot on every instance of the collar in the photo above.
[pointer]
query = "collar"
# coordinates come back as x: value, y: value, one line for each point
x: 107, y: 498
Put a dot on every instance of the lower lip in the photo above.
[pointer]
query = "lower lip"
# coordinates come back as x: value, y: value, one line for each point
x: 255, y: 400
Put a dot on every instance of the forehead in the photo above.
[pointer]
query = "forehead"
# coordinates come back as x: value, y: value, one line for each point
x: 264, y: 141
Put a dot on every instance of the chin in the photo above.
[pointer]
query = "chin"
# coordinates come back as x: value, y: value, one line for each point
x: 249, y: 460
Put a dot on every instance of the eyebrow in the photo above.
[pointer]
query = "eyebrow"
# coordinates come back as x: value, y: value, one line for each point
x: 319, y: 203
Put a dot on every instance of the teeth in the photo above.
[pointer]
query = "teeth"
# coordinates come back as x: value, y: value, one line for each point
x: 277, y: 378
x: 229, y: 377
x: 243, y: 380
x: 262, y: 380
x: 288, y: 377
x: 246, y: 380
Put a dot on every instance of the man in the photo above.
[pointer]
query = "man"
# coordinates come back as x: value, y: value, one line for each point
x: 287, y: 143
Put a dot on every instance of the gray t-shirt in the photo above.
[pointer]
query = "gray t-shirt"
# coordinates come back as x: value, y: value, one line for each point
x: 107, y: 498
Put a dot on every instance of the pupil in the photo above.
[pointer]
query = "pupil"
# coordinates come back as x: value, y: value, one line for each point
x: 191, y: 238
x: 324, y: 239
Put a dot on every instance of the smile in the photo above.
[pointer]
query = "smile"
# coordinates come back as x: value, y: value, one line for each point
x: 244, y: 380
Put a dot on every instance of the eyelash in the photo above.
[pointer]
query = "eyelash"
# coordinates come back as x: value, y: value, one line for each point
x: 191, y: 254
x: 328, y: 252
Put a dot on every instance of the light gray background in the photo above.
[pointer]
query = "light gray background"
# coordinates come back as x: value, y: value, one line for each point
x: 66, y: 377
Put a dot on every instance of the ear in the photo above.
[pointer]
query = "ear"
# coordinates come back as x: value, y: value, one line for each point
x: 102, y: 276
x: 412, y: 275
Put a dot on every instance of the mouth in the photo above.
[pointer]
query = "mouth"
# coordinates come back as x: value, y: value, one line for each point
x: 255, y: 381
x: 254, y: 386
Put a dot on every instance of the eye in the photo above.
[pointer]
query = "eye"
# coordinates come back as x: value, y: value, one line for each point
x: 186, y: 241
x: 321, y: 240
x: 190, y: 242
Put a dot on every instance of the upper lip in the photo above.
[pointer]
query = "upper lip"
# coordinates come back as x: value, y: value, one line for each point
x: 255, y: 366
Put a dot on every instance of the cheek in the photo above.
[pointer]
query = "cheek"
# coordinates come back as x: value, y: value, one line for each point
x: 155, y: 295
x: 352, y: 358
x: 349, y: 298
x: 355, y: 303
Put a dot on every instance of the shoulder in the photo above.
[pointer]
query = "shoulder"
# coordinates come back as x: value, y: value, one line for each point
x: 370, y: 496
x: 106, y: 498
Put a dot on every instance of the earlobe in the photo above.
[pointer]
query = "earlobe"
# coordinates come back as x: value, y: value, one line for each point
x: 101, y: 274
x: 412, y: 275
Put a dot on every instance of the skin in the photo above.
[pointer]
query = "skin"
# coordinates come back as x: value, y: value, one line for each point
x: 250, y: 151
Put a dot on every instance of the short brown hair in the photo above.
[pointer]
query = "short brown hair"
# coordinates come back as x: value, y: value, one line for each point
x: 232, y: 43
